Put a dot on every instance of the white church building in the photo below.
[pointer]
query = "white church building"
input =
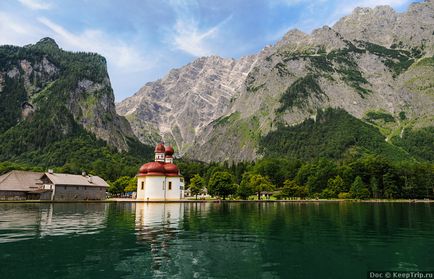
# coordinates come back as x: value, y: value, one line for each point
x: 160, y: 180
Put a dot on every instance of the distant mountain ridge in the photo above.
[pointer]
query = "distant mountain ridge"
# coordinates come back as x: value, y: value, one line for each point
x: 376, y: 64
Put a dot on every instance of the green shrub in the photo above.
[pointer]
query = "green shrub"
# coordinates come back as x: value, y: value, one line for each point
x: 344, y: 196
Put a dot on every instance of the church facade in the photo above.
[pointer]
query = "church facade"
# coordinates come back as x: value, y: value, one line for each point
x: 160, y: 180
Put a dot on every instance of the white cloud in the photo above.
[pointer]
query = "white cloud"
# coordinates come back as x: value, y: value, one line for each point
x: 120, y: 54
x: 117, y: 52
x: 189, y: 38
x: 36, y: 4
x: 187, y: 34
x: 15, y: 31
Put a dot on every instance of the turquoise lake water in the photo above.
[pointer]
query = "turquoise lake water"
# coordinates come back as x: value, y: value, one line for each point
x: 214, y: 240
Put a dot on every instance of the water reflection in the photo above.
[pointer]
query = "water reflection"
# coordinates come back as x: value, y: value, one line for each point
x: 26, y: 221
x: 156, y: 219
x: 157, y: 225
x: 219, y: 240
x: 192, y: 240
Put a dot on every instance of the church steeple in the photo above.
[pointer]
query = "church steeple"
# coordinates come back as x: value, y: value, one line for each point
x: 159, y: 153
x: 169, y: 154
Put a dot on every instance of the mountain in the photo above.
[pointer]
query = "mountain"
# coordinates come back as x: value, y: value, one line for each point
x: 375, y: 67
x: 179, y: 106
x: 57, y: 109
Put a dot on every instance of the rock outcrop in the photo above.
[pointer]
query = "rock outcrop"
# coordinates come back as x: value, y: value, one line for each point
x: 42, y: 75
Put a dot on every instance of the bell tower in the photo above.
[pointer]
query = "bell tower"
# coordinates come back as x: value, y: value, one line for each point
x: 169, y: 154
x: 159, y: 153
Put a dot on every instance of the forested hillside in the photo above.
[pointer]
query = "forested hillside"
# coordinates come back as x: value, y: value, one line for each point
x: 57, y: 111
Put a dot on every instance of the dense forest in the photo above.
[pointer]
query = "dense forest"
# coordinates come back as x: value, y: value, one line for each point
x: 370, y: 176
x: 335, y: 134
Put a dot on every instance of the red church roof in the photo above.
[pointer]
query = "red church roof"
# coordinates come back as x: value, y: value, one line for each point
x: 169, y: 151
x: 171, y: 169
x: 160, y: 168
x: 160, y: 148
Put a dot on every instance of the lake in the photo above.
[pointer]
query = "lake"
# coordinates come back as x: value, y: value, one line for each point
x: 214, y: 240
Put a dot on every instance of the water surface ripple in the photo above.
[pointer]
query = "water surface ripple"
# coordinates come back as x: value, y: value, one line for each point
x: 210, y: 240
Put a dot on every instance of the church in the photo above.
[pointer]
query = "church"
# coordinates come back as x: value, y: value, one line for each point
x: 160, y: 180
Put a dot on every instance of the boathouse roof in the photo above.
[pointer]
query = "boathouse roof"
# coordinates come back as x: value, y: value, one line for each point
x: 28, y: 181
x: 76, y: 180
x: 20, y: 181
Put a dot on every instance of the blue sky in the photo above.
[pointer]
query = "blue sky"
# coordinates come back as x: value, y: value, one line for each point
x: 143, y: 39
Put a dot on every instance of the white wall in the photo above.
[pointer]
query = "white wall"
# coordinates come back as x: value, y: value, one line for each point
x: 176, y: 192
x: 157, y: 188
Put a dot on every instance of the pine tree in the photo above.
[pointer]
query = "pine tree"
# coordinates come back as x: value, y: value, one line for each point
x: 358, y: 189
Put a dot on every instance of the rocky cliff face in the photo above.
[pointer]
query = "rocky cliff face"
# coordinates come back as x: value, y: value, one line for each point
x: 372, y: 62
x: 42, y: 76
x: 179, y: 106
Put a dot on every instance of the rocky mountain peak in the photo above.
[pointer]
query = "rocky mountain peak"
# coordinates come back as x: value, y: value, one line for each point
x: 47, y: 41
x: 369, y: 24
x: 292, y: 38
x: 326, y: 37
x: 383, y: 26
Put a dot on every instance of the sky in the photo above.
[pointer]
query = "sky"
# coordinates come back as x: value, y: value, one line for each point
x: 143, y: 39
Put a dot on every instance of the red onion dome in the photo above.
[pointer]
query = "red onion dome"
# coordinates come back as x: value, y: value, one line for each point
x: 169, y: 150
x: 171, y: 168
x: 160, y: 148
x: 155, y: 168
x: 144, y: 169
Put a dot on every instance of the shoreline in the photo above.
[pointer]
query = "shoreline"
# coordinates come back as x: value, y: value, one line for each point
x: 122, y: 200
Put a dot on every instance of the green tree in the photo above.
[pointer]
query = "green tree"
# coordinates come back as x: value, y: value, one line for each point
x: 222, y: 184
x: 373, y: 183
x: 118, y: 186
x: 245, y: 189
x: 197, y: 183
x: 358, y: 189
x: 277, y: 169
x: 327, y: 193
x: 316, y: 175
x: 291, y: 189
x: 260, y: 184
x: 132, y: 185
x: 334, y: 187
x: 336, y: 184
x: 302, y: 192
x: 389, y: 184
x: 409, y: 187
x: 213, y: 168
